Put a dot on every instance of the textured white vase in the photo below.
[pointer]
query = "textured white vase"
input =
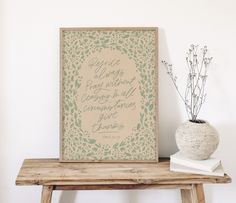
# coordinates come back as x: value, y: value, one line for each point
x: 197, y: 140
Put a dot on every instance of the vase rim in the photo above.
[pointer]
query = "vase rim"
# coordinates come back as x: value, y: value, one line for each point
x: 198, y: 121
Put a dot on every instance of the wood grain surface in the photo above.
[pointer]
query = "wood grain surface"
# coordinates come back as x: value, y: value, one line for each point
x: 46, y: 196
x: 107, y: 175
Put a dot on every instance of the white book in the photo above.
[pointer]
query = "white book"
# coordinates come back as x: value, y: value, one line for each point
x: 179, y: 168
x: 205, y: 165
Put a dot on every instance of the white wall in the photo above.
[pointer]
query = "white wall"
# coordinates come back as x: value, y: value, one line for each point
x: 29, y: 82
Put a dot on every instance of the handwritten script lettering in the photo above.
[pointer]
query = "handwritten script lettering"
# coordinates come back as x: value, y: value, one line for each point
x: 109, y: 97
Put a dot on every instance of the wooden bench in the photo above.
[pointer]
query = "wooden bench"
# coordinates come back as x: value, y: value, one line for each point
x: 53, y: 175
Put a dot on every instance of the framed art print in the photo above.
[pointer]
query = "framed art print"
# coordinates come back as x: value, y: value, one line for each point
x: 108, y: 95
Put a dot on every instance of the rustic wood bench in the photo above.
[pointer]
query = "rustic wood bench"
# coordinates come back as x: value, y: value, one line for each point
x: 53, y: 175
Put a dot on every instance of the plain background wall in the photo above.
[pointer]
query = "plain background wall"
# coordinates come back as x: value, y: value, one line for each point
x: 29, y: 83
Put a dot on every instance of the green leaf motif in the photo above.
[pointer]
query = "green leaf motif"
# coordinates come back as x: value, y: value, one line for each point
x: 77, y: 83
x: 150, y: 107
x: 127, y: 154
x: 115, y: 145
x: 138, y: 127
x: 92, y: 141
x: 66, y: 107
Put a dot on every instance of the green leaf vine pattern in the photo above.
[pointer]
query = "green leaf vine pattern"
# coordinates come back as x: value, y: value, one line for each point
x: 139, y: 46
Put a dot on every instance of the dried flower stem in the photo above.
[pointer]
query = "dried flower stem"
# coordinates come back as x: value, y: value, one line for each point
x: 194, y: 95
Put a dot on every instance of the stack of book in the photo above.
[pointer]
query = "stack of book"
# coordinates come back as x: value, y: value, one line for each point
x: 211, y: 166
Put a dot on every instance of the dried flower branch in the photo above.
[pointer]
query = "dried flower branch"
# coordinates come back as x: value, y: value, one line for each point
x: 194, y: 96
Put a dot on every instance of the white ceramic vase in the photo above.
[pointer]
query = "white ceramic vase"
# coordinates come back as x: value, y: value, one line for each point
x: 197, y: 140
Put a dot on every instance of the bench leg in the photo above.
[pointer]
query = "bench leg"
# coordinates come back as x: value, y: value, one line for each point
x: 46, y: 194
x: 193, y: 195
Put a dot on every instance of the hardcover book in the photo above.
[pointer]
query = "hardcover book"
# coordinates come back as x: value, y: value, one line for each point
x: 180, y: 168
x: 205, y: 165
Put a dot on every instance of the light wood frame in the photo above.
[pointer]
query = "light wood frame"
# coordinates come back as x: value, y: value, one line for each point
x: 62, y: 126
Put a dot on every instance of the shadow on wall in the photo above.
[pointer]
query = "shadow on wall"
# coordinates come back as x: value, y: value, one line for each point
x: 68, y: 197
x: 3, y: 158
x: 4, y: 148
x: 226, y: 148
x: 169, y: 114
x: 71, y: 196
x: 132, y: 197
x: 225, y: 152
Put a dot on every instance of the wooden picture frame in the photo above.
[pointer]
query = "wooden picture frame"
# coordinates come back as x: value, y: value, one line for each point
x: 108, y: 94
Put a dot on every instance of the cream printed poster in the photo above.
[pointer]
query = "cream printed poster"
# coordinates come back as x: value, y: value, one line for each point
x: 109, y: 94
